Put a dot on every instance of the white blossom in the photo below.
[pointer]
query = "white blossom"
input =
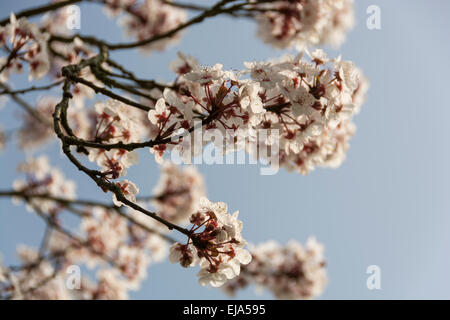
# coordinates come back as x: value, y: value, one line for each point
x: 184, y: 64
x: 289, y: 272
x: 129, y: 191
x: 218, y: 247
x: 152, y: 18
x: 25, y: 41
x: 178, y: 192
x: 285, y: 24
x: 41, y: 179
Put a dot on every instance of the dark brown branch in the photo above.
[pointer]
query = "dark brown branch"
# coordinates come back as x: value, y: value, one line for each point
x: 109, y: 93
x: 30, y: 89
x: 60, y: 118
x: 217, y: 9
x: 68, y: 204
x: 51, y: 223
x: 185, y: 5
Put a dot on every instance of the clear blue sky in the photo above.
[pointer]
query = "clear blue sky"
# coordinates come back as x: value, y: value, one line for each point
x: 387, y: 205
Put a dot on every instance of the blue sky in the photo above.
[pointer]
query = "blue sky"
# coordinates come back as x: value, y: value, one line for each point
x: 387, y: 205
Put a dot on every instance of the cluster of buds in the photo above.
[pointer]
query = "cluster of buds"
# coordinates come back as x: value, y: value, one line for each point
x: 288, y: 23
x: 215, y: 243
x: 289, y: 272
x: 23, y: 43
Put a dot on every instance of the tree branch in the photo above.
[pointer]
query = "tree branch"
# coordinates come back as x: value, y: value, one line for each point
x: 39, y: 10
x: 68, y: 203
x: 30, y: 89
x: 25, y: 105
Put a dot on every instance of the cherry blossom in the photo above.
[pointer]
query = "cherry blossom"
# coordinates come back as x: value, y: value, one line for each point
x: 42, y: 179
x: 56, y: 22
x: 27, y: 282
x: 309, y: 100
x: 285, y: 24
x: 111, y: 286
x: 114, y: 123
x: 305, y: 103
x: 218, y: 248
x: 25, y: 43
x: 105, y: 231
x: 128, y: 189
x: 184, y: 64
x: 72, y: 53
x: 178, y: 192
x: 289, y: 272
x: 148, y: 19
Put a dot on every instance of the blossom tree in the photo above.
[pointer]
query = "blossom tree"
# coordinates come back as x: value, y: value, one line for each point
x: 308, y: 99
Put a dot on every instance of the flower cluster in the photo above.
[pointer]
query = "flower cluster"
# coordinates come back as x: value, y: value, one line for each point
x: 128, y: 189
x: 120, y: 251
x: 57, y: 22
x: 148, y: 19
x: 42, y: 179
x: 289, y: 272
x: 41, y: 279
x: 115, y: 122
x: 115, y: 7
x: 8, y: 283
x: 110, y: 286
x: 288, y: 23
x: 215, y: 242
x: 26, y: 284
x: 120, y: 246
x: 310, y: 105
x: 294, y: 111
x: 110, y: 235
x: 178, y: 192
x: 73, y: 53
x: 24, y: 43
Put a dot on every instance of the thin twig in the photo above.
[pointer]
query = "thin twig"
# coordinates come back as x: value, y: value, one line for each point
x: 68, y: 204
x: 39, y: 10
x: 25, y: 106
x: 30, y: 89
